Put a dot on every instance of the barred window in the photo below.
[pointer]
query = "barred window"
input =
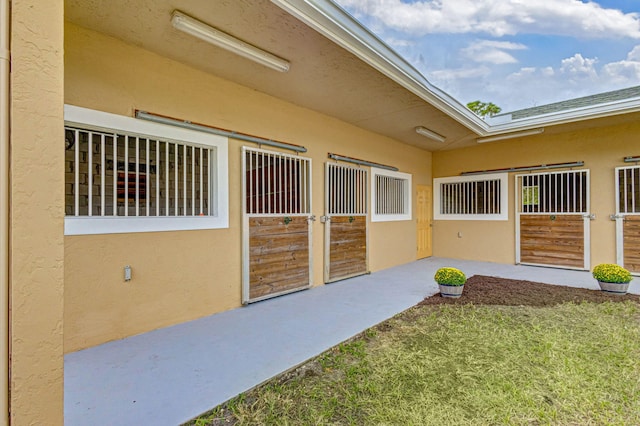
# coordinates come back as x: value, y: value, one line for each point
x: 471, y: 197
x: 119, y: 173
x: 628, y: 189
x: 391, y: 195
x: 149, y: 177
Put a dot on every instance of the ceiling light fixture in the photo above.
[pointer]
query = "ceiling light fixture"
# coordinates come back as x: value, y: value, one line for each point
x: 430, y: 134
x: 510, y: 135
x: 199, y: 29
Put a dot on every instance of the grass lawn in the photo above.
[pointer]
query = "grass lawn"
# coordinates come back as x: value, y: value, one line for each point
x: 571, y: 364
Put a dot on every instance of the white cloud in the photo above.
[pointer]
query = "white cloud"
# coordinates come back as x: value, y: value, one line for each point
x: 548, y: 71
x: 577, y: 66
x: 571, y: 77
x: 500, y: 17
x: 634, y: 55
x: 625, y: 72
x: 491, y: 51
x: 396, y: 42
x: 460, y: 74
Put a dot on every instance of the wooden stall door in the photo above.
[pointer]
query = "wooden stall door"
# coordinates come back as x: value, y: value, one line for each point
x: 346, y: 252
x: 276, y: 224
x: 553, y: 219
x: 424, y: 221
x: 628, y: 217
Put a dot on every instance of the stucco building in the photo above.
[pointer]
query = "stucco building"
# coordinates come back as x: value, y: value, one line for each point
x: 193, y: 178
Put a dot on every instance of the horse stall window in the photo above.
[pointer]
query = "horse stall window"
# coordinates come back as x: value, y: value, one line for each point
x: 390, y: 195
x: 628, y: 189
x: 276, y: 184
x: 471, y: 197
x: 126, y: 175
x: 562, y: 192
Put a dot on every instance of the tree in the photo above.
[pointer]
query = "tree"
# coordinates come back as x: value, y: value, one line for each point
x: 484, y: 109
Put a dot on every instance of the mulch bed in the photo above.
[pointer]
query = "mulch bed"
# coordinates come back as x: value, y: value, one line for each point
x: 484, y: 290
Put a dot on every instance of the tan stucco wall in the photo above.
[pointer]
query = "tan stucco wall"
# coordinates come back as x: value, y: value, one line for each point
x: 602, y: 149
x: 178, y: 276
x: 37, y: 211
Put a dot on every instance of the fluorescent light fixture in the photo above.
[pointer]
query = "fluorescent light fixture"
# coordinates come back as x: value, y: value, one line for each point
x: 511, y: 135
x: 430, y: 134
x: 199, y: 29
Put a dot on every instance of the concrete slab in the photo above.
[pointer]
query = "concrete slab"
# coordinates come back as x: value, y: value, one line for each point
x: 173, y: 374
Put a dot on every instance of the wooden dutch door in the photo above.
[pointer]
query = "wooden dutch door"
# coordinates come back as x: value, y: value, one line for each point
x: 552, y: 223
x: 628, y: 217
x: 276, y: 224
x: 346, y: 253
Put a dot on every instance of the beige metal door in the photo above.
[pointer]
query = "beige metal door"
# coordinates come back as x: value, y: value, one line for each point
x: 345, y: 219
x: 276, y: 224
x: 423, y: 216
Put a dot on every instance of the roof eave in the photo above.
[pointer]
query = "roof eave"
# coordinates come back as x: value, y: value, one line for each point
x: 568, y: 116
x: 334, y: 23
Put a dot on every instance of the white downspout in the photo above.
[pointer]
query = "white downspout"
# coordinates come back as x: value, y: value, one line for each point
x: 5, y: 34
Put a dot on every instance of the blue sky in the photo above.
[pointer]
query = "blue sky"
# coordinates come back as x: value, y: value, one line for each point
x: 514, y: 53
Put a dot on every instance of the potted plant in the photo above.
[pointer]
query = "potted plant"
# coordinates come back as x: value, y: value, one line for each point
x: 451, y: 282
x: 612, y: 278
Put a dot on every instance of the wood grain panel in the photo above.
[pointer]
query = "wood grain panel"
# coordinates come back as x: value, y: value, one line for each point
x: 278, y: 255
x: 347, y: 246
x: 557, y: 241
x: 631, y: 232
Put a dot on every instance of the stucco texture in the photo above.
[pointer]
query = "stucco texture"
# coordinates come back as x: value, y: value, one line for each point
x: 602, y: 148
x: 37, y: 200
x: 179, y: 276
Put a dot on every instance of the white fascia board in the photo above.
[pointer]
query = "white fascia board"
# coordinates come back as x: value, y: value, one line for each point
x: 333, y: 22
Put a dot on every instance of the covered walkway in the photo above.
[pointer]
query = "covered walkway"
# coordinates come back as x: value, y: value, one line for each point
x: 168, y: 376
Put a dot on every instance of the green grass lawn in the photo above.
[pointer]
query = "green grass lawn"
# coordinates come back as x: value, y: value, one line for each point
x: 465, y: 365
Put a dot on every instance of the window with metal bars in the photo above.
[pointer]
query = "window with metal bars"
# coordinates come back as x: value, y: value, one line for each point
x: 628, y: 190
x: 554, y: 192
x: 276, y: 183
x: 471, y: 197
x: 390, y: 195
x: 149, y: 177
x: 135, y: 177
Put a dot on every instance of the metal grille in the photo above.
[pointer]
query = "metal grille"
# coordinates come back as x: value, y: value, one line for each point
x: 276, y: 183
x: 554, y: 192
x: 391, y: 195
x: 628, y: 189
x: 472, y: 197
x: 347, y: 190
x: 120, y: 174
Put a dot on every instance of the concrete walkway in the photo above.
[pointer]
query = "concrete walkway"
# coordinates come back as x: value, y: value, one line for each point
x: 171, y: 375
